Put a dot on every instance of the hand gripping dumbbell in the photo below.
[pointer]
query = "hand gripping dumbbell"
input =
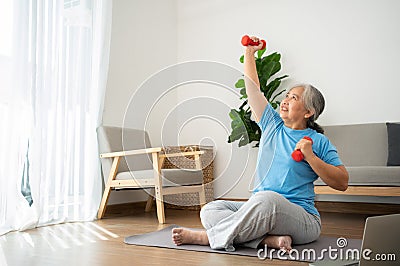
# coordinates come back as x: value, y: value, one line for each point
x: 246, y: 40
x: 297, y: 155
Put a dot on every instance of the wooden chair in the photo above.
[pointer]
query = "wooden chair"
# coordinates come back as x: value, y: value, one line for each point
x: 129, y: 162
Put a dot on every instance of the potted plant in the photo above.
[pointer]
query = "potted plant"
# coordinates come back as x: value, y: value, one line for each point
x: 244, y: 128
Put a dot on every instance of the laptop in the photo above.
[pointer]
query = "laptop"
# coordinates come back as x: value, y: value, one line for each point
x: 380, y: 244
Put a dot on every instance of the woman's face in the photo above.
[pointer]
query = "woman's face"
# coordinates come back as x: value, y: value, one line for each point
x: 292, y: 109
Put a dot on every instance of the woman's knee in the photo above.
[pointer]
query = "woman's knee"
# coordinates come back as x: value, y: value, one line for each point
x: 210, y: 208
x: 267, y: 201
x: 214, y: 211
x: 267, y: 196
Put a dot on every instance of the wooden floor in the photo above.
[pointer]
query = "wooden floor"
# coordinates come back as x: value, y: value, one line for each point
x: 101, y: 242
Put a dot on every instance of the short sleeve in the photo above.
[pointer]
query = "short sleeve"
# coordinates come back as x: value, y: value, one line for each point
x: 270, y: 119
x: 329, y: 153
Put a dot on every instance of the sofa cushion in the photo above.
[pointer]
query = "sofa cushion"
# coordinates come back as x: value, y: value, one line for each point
x: 371, y: 176
x: 360, y: 144
x: 393, y: 131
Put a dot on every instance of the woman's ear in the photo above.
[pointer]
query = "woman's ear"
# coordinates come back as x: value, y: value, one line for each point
x: 309, y: 114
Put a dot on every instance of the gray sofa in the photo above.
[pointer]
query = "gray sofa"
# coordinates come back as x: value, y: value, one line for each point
x: 363, y: 149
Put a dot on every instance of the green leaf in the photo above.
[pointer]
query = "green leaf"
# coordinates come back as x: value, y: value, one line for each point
x: 243, y: 142
x: 258, y: 65
x: 239, y: 83
x: 243, y: 93
x: 276, y: 95
x: 272, y: 57
x: 241, y: 126
x: 261, y: 52
x: 241, y: 59
x: 268, y: 69
x: 237, y: 123
x: 263, y: 84
x: 272, y: 87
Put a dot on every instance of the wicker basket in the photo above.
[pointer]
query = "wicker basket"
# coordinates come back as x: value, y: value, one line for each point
x: 190, y: 201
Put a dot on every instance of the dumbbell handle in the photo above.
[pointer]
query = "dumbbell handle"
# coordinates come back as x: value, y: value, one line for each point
x: 297, y: 155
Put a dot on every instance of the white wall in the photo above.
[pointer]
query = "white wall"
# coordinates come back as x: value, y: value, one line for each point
x: 143, y: 41
x: 347, y: 49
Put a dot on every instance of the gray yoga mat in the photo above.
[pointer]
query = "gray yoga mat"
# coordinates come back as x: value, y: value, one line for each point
x: 308, y: 252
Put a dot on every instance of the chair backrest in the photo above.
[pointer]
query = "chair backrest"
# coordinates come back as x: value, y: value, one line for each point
x: 113, y: 139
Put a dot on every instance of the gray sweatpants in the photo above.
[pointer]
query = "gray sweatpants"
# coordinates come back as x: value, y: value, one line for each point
x: 248, y: 223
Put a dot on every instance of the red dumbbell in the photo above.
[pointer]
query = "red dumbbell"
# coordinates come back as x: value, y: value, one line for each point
x: 246, y: 40
x: 297, y: 155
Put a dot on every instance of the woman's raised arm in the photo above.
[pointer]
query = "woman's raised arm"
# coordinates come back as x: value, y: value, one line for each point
x: 256, y: 98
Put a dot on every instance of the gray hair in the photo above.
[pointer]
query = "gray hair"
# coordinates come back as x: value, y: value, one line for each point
x: 313, y: 101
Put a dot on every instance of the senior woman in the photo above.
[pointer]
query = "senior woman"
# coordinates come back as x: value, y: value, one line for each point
x: 281, y: 210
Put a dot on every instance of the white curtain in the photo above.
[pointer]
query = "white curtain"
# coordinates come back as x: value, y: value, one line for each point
x: 54, y: 68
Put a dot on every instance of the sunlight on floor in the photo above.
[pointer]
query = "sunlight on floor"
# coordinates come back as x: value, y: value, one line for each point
x: 28, y: 239
x: 104, y: 230
x: 45, y: 242
x: 62, y: 236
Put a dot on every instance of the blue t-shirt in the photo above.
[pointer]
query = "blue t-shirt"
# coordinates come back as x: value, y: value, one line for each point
x: 277, y: 171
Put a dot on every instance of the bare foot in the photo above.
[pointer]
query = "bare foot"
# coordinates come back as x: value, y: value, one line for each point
x: 186, y: 236
x: 279, y: 242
